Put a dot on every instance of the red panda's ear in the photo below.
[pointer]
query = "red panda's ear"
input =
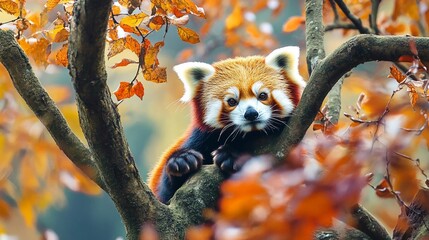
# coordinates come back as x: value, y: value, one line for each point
x: 287, y: 59
x: 191, y: 74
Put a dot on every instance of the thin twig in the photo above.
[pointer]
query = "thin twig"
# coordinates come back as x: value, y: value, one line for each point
x: 355, y: 20
x: 373, y: 18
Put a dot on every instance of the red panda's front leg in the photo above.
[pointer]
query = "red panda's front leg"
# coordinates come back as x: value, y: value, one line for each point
x: 229, y: 160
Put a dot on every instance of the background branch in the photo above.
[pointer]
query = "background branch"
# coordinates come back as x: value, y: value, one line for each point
x: 355, y: 20
x: 30, y: 89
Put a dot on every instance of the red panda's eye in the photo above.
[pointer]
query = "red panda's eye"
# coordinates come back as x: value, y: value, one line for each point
x: 232, y: 102
x: 262, y: 96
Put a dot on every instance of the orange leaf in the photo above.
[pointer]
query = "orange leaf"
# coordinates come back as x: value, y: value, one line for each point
x: 125, y: 90
x: 188, y: 35
x: 123, y: 63
x: 61, y: 56
x: 116, y: 10
x: 406, y: 7
x: 396, y: 74
x: 4, y: 209
x: 414, y: 96
x: 138, y: 89
x: 235, y: 19
x: 58, y: 34
x: 293, y: 23
x: 9, y: 6
x: 383, y: 190
x: 156, y: 22
x: 38, y: 50
x: 132, y: 44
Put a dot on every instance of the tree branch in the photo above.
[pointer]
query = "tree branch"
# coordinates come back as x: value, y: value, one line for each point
x: 100, y: 119
x: 30, y: 89
x: 355, y: 20
x: 314, y: 33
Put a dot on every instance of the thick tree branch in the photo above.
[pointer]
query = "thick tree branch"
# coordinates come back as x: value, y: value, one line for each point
x: 100, y: 119
x: 314, y: 33
x: 30, y: 89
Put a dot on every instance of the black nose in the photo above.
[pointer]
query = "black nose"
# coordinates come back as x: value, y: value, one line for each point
x: 251, y: 114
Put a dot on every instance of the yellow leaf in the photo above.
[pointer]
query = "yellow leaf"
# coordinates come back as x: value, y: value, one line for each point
x: 58, y: 34
x: 27, y: 177
x: 51, y: 4
x: 9, y: 6
x: 37, y: 49
x: 188, y: 35
x: 26, y: 209
x: 116, y: 10
x: 116, y: 47
x: 133, y: 20
x: 235, y: 19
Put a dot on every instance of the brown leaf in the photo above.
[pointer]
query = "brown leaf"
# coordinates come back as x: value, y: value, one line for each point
x: 9, y: 6
x: 123, y: 63
x: 235, y: 19
x: 414, y: 96
x: 293, y: 23
x: 396, y: 74
x: 188, y: 35
x: 157, y: 75
x: 138, y: 89
x: 116, y: 47
x: 125, y: 90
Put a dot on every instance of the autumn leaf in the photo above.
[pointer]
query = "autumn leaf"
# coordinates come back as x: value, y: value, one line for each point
x: 61, y: 56
x: 383, y: 190
x: 58, y: 34
x: 51, y: 4
x: 157, y: 75
x: 293, y: 23
x: 133, y: 20
x: 132, y: 44
x: 188, y: 35
x: 235, y: 19
x: 125, y: 90
x: 37, y: 49
x: 156, y: 22
x: 414, y: 96
x: 406, y: 7
x: 4, y: 209
x: 116, y: 10
x: 124, y: 62
x: 116, y: 47
x: 9, y: 6
x: 396, y: 74
x: 138, y: 89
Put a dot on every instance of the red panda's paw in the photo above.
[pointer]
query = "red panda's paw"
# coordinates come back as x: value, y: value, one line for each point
x: 229, y: 161
x: 184, y: 162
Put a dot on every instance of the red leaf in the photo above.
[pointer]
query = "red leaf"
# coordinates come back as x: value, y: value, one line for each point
x: 125, y: 90
x: 138, y: 89
x: 383, y: 190
x: 123, y: 63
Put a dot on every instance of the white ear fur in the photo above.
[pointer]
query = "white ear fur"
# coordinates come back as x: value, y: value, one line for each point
x: 286, y: 58
x: 191, y: 73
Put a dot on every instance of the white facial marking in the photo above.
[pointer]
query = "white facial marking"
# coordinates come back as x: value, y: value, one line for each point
x: 264, y: 114
x: 232, y: 92
x: 284, y: 101
x: 212, y: 113
x: 256, y: 87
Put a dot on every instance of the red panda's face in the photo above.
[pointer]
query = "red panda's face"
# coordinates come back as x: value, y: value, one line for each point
x: 244, y: 94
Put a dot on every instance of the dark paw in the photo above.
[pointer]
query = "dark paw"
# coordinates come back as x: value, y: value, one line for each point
x: 229, y: 161
x: 184, y: 162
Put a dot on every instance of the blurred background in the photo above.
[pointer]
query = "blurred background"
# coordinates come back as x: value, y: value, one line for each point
x: 151, y: 125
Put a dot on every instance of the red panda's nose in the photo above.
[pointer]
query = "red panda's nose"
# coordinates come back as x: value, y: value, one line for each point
x: 251, y: 114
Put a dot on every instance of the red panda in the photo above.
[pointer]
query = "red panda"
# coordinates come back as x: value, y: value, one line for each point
x: 237, y: 105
